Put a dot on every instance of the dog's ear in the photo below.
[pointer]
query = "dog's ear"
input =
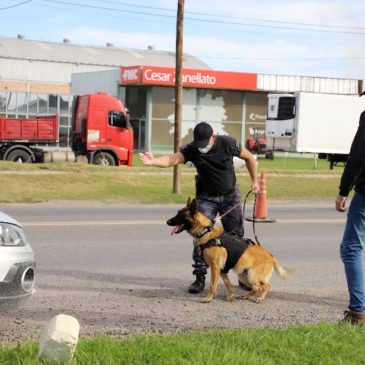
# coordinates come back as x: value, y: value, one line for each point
x: 193, y: 207
x: 188, y: 203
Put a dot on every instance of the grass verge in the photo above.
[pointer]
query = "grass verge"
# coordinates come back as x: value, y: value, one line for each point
x: 31, y: 183
x: 321, y: 344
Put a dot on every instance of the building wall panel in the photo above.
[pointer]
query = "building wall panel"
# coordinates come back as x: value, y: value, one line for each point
x: 88, y: 82
x: 287, y: 83
x: 43, y: 71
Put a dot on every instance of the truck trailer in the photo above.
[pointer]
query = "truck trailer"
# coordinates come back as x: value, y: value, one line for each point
x: 324, y: 124
x: 101, y: 133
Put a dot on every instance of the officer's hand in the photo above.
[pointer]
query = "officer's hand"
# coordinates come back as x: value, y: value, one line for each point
x: 255, y: 187
x: 340, y: 203
x: 146, y: 158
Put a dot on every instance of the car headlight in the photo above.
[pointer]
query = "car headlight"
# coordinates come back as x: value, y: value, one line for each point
x: 11, y: 235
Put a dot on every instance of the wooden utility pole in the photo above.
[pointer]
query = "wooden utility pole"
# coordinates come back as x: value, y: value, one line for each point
x: 178, y: 92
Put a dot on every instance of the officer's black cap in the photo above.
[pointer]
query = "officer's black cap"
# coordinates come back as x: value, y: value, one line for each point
x: 202, y: 133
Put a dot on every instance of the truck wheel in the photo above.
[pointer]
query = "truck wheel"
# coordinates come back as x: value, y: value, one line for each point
x: 104, y: 158
x: 19, y: 156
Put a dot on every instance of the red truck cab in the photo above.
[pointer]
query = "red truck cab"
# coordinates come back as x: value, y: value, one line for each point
x: 101, y: 130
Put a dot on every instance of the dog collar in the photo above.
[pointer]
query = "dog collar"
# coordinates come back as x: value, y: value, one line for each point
x: 205, y: 231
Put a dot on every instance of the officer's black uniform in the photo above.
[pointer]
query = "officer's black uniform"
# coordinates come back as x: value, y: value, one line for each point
x: 216, y: 191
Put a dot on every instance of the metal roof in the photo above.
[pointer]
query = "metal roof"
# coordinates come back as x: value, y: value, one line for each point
x: 108, y: 56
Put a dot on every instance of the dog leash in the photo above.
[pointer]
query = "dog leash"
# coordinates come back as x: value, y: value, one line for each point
x: 253, y: 214
x: 243, y: 213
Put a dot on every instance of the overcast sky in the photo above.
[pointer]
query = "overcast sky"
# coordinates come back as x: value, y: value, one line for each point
x: 314, y: 38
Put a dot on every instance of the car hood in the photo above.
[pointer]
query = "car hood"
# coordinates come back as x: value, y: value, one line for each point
x: 7, y: 219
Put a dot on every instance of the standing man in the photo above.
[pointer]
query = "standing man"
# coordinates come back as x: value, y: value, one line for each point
x: 354, y: 235
x: 216, y: 189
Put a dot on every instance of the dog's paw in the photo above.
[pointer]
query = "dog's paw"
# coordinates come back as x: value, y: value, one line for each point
x: 259, y: 300
x: 230, y: 298
x: 206, y: 300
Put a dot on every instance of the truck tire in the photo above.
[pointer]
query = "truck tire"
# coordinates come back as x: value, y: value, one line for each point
x: 104, y: 158
x: 19, y: 156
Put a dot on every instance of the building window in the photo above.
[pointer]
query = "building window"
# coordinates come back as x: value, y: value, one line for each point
x: 42, y: 104
x: 53, y: 104
x: 2, y: 103
x: 256, y: 112
x: 32, y: 105
x: 65, y: 108
x: 223, y: 110
x: 11, y: 104
x: 136, y: 100
x: 22, y: 105
x: 163, y: 117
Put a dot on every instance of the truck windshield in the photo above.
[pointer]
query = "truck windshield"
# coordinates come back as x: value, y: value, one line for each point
x: 117, y: 119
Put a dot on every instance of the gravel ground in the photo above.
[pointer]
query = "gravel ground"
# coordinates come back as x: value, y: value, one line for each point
x: 128, y: 305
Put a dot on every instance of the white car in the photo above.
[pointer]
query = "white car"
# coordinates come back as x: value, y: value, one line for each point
x: 17, y: 264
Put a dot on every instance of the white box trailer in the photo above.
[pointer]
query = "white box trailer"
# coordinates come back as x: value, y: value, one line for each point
x: 312, y: 122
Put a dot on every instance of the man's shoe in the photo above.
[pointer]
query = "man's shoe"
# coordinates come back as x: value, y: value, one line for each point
x: 244, y: 286
x: 353, y: 317
x: 198, y: 285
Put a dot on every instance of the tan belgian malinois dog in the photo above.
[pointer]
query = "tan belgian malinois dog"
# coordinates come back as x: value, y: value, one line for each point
x: 254, y: 266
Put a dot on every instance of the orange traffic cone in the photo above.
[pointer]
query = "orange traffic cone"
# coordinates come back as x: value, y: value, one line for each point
x: 260, y: 213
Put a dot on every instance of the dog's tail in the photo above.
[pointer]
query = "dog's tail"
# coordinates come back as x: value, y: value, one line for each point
x: 282, y: 271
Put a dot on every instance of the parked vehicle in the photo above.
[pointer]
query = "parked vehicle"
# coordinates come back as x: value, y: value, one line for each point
x: 324, y: 124
x: 17, y: 264
x: 256, y: 145
x: 21, y: 140
x: 101, y: 132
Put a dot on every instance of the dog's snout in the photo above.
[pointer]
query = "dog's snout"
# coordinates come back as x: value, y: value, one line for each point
x: 174, y: 221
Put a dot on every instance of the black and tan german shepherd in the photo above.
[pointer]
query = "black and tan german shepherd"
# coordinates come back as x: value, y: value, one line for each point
x: 254, y: 267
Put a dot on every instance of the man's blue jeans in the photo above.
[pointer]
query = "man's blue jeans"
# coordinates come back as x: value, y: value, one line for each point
x: 351, y: 252
x: 211, y: 206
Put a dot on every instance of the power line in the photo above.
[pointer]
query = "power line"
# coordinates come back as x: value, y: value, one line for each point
x: 207, y: 20
x: 235, y: 17
x: 13, y: 6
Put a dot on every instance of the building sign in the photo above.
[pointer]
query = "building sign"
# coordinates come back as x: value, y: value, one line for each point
x: 130, y: 75
x: 165, y: 76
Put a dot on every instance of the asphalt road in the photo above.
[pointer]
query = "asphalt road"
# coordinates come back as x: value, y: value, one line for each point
x: 116, y: 269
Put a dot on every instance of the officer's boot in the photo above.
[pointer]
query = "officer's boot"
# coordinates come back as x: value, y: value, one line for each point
x: 353, y: 317
x: 198, y: 285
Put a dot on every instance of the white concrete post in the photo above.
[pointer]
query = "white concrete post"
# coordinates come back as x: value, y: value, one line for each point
x: 60, y: 339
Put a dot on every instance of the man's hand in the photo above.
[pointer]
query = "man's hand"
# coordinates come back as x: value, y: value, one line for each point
x: 146, y: 158
x: 340, y: 203
x: 255, y: 187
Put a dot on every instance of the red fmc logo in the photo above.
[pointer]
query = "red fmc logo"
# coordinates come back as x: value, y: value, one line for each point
x: 130, y: 75
x: 153, y: 75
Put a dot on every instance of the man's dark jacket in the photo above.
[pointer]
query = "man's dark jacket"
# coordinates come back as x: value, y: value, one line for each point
x: 354, y: 172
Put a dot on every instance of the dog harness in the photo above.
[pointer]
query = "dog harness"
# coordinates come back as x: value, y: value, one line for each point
x: 234, y: 245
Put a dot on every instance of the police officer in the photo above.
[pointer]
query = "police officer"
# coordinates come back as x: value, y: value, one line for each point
x: 216, y: 188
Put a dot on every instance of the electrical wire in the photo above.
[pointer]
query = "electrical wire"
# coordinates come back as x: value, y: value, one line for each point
x: 14, y: 6
x: 234, y: 17
x: 206, y: 20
